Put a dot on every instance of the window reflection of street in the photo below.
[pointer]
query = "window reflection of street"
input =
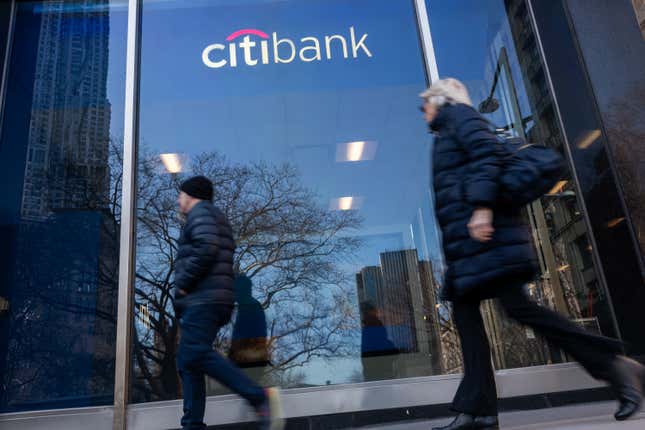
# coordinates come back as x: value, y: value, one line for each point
x: 288, y: 246
x: 322, y: 167
x: 508, y: 83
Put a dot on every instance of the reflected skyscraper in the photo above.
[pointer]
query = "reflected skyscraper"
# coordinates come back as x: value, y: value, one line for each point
x: 369, y: 284
x: 402, y: 291
x: 403, y: 300
x: 66, y: 241
x: 430, y: 290
x: 69, y: 130
x: 569, y: 281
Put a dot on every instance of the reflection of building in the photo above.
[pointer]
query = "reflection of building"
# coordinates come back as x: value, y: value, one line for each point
x: 67, y: 156
x: 369, y: 283
x: 429, y: 289
x: 402, y: 293
x: 403, y: 300
x: 568, y: 281
x: 62, y: 275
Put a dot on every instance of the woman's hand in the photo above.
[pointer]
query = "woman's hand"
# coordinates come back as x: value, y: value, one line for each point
x: 480, y: 226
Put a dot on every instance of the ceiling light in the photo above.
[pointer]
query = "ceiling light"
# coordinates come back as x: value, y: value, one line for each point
x: 345, y: 203
x: 171, y: 162
x: 356, y: 151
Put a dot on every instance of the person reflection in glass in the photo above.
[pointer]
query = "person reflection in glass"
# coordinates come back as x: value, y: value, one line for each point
x: 377, y: 350
x: 249, y: 344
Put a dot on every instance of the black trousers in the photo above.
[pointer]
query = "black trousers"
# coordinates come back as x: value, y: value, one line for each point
x: 477, y: 394
x: 196, y: 358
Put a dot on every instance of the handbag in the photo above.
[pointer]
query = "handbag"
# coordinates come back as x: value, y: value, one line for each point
x: 250, y: 352
x: 529, y: 172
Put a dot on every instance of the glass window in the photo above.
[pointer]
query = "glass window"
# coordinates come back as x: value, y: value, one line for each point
x: 491, y: 46
x: 304, y: 115
x: 60, y: 178
x: 615, y: 71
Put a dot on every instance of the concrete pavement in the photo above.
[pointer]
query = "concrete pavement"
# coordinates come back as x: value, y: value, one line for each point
x: 591, y: 416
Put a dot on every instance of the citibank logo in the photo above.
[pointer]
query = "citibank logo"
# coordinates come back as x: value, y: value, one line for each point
x: 257, y: 47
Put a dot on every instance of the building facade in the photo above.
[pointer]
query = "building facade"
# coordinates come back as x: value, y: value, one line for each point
x: 304, y: 115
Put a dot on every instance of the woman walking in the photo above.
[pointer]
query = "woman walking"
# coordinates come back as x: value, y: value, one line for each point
x: 489, y: 254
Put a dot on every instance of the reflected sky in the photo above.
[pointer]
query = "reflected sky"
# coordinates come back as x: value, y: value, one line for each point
x: 298, y: 112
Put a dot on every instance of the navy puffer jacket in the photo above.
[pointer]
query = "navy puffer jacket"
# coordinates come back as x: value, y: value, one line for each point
x: 204, y: 264
x: 467, y: 162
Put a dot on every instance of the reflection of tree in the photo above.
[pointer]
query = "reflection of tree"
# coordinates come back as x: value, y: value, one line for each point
x: 512, y: 345
x: 452, y: 360
x: 288, y: 244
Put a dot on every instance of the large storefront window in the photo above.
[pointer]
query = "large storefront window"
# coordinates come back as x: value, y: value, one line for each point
x: 60, y: 178
x: 304, y: 115
x: 491, y: 46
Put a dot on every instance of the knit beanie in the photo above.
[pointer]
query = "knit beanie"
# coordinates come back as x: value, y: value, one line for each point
x: 199, y: 187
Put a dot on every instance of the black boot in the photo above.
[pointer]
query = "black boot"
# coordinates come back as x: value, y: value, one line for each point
x: 627, y: 378
x: 470, y: 422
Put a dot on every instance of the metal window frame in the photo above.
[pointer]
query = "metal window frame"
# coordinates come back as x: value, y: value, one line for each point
x: 429, y: 57
x: 127, y: 243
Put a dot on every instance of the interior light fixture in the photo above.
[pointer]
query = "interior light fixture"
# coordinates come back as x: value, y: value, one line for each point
x: 352, y: 152
x: 171, y: 162
x: 345, y: 203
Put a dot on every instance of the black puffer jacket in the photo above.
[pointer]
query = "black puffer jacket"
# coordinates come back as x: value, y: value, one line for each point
x: 466, y: 166
x: 204, y: 265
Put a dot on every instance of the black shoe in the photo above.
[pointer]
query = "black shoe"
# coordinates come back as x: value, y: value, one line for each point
x: 627, y: 378
x: 470, y: 422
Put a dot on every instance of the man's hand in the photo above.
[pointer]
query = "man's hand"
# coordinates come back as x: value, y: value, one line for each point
x: 182, y: 292
x: 480, y: 226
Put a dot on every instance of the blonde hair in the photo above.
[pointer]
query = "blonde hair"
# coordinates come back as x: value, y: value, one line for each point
x: 448, y: 90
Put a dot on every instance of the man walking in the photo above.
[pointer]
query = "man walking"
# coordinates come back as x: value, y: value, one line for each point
x: 204, y: 301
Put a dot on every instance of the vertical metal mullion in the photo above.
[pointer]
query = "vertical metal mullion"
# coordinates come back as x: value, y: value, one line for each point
x: 432, y: 70
x: 7, y: 58
x: 128, y: 219
x: 426, y: 41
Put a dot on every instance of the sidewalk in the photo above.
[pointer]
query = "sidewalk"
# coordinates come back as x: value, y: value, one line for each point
x: 591, y: 416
